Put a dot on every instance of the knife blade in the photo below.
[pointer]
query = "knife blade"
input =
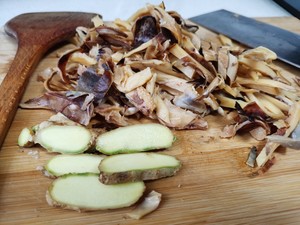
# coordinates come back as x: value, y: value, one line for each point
x: 253, y: 33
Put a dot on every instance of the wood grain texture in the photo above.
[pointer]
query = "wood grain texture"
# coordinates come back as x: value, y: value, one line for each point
x: 214, y: 185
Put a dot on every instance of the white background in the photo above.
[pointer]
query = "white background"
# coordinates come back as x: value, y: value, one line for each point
x: 111, y: 9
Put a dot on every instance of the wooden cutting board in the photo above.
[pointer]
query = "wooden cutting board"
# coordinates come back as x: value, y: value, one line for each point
x: 214, y: 185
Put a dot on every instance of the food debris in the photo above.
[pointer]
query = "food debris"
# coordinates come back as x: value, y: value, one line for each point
x: 150, y: 203
x: 34, y: 153
x: 252, y: 156
x: 44, y: 171
x: 290, y: 142
x: 285, y: 141
x: 270, y: 147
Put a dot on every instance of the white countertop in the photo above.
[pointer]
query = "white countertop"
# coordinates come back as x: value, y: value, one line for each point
x: 111, y: 9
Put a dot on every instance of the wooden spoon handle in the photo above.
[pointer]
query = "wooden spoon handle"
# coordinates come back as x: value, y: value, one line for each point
x: 14, y: 84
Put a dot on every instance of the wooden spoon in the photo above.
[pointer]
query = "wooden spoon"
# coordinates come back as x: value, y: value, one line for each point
x: 35, y: 33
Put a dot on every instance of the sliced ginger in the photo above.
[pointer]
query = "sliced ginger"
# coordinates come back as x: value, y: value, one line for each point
x: 133, y: 167
x: 84, y: 192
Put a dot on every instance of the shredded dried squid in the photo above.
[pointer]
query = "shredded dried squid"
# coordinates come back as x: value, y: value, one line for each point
x: 155, y: 65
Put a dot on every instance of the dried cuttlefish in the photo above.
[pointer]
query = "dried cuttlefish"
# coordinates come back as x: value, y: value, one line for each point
x: 155, y: 65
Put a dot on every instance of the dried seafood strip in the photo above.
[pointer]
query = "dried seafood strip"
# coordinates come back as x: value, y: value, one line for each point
x: 155, y: 65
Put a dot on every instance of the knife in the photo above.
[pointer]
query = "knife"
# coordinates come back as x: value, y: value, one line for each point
x: 253, y: 33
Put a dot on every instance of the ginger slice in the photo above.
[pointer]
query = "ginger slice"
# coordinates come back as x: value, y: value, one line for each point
x: 133, y: 167
x: 64, y: 139
x: 135, y: 138
x: 84, y: 192
x: 58, y: 134
x: 61, y: 165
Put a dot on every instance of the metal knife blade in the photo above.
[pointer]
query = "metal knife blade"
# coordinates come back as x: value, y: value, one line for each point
x: 253, y: 33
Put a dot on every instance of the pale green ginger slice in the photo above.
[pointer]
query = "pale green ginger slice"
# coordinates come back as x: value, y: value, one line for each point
x: 135, y: 138
x: 133, y: 167
x: 84, y: 192
x: 64, y: 139
x: 61, y: 165
x: 58, y: 134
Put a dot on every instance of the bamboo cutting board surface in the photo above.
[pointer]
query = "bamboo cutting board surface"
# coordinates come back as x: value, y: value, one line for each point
x: 214, y: 185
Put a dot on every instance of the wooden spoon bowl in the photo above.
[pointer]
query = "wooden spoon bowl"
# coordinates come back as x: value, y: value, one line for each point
x: 35, y: 33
